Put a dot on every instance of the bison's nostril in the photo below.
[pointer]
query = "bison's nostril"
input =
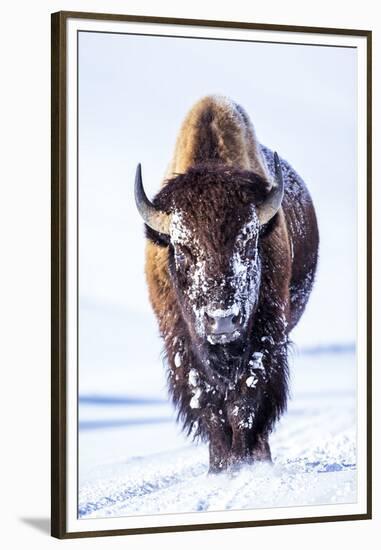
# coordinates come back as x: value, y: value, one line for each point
x: 235, y: 319
x: 210, y: 320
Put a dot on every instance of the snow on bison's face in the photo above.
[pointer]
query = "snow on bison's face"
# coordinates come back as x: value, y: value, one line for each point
x: 215, y: 268
x: 210, y: 219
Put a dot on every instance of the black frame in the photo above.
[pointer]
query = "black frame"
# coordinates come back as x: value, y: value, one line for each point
x: 58, y: 271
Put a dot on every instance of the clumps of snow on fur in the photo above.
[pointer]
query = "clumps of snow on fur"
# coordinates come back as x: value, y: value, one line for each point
x: 177, y: 359
x: 193, y: 381
x: 214, y: 339
x: 193, y: 378
x: 247, y: 422
x: 180, y: 234
x: 233, y: 310
x: 235, y: 410
x: 246, y: 270
x: 256, y: 361
x: 256, y: 369
x: 251, y: 381
x: 194, y: 402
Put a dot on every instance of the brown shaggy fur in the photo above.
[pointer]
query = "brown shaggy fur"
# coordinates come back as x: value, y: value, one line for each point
x: 219, y: 171
x: 217, y: 129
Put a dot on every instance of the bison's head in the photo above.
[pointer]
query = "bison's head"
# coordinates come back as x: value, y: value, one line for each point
x: 211, y: 219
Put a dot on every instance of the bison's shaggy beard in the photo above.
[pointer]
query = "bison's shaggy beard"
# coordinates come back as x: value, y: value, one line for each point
x: 225, y: 388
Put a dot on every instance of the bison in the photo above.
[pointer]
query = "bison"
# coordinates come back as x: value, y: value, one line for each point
x: 231, y: 255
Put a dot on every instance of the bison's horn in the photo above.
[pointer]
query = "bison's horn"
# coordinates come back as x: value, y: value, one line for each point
x: 152, y: 216
x: 271, y: 205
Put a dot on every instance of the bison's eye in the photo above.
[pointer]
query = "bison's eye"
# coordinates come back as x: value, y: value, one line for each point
x: 183, y: 258
x: 250, y: 250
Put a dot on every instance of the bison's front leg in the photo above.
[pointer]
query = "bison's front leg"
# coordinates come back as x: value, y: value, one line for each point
x: 216, y: 428
x: 219, y: 449
x: 248, y: 444
x: 261, y: 449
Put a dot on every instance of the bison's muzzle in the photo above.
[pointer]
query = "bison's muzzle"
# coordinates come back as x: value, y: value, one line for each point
x: 223, y: 327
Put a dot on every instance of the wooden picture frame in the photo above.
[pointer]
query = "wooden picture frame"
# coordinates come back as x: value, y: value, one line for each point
x: 63, y: 401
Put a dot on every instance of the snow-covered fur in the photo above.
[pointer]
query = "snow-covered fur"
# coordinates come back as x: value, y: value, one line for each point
x: 218, y: 258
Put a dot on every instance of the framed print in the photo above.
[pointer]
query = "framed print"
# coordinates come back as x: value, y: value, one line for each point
x: 211, y: 274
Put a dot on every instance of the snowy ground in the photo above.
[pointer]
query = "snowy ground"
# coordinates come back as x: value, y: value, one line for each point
x: 134, y: 459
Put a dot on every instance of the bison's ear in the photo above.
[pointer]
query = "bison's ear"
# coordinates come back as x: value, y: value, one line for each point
x: 161, y: 239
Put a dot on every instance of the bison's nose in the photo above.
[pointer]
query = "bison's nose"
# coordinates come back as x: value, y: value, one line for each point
x: 221, y: 323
